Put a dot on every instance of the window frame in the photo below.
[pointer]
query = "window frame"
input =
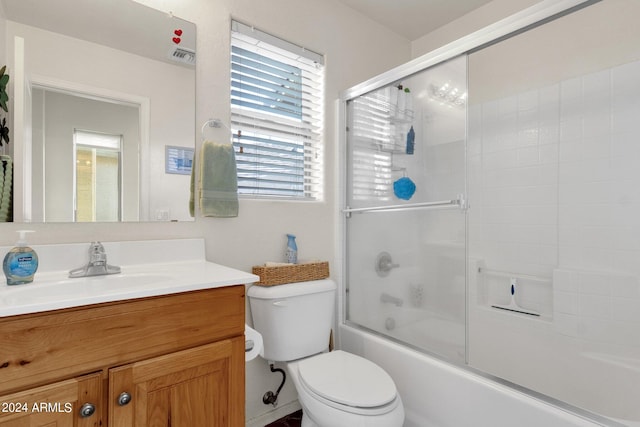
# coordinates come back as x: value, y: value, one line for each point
x: 303, y: 123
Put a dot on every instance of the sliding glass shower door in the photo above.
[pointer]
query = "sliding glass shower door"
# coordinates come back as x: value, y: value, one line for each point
x: 406, y: 210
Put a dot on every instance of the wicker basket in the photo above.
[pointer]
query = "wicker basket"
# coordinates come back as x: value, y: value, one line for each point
x: 278, y: 275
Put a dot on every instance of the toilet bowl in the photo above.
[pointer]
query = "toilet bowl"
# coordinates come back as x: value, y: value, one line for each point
x: 340, y: 389
x: 337, y: 388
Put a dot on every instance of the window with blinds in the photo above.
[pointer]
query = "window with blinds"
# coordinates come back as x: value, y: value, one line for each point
x: 276, y: 115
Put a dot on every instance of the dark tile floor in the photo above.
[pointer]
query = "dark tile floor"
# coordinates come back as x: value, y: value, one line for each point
x: 291, y: 420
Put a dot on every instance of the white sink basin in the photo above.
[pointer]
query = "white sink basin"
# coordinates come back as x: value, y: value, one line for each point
x: 108, y: 282
x: 65, y: 289
x: 54, y: 290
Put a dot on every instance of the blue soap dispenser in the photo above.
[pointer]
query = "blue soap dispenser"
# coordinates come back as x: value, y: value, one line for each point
x: 21, y: 262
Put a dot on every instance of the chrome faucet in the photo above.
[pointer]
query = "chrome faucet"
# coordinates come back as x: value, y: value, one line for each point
x: 384, y: 297
x: 97, y: 265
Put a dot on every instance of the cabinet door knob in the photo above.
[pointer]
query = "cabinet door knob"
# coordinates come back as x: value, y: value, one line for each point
x: 87, y: 410
x: 124, y: 398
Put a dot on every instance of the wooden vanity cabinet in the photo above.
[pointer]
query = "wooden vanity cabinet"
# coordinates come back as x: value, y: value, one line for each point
x: 56, y: 404
x: 186, y: 388
x: 175, y: 360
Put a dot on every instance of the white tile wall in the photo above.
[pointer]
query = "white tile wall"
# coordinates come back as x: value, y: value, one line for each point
x: 554, y: 187
x: 595, y: 306
x: 513, y: 157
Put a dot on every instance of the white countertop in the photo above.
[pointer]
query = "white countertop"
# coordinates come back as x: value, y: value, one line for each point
x: 53, y: 290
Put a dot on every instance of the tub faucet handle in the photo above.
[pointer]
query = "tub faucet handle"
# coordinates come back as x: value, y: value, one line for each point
x: 384, y: 264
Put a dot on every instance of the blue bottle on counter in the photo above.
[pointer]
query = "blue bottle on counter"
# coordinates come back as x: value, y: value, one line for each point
x: 21, y: 262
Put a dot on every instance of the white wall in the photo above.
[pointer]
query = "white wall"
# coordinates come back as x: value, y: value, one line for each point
x: 355, y: 48
x: 467, y: 24
x: 3, y: 29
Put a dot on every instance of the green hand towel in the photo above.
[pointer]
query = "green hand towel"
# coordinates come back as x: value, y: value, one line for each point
x: 218, y: 180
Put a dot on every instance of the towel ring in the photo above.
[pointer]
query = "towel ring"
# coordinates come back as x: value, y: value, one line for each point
x: 213, y: 123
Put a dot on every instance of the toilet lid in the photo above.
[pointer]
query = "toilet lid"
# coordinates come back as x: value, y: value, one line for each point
x: 347, y: 379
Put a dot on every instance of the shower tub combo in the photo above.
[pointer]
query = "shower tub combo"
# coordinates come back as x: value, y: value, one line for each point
x: 488, y: 221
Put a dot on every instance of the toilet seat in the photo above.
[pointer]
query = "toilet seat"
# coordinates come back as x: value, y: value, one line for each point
x: 348, y: 382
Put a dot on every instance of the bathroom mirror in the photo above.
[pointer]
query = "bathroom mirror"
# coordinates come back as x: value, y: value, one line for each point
x: 108, y: 130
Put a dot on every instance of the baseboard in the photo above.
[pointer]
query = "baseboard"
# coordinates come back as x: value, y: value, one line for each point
x: 274, y: 415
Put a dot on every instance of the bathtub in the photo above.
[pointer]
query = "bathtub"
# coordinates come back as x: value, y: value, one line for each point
x: 438, y: 394
x: 541, y: 354
x: 424, y: 330
x: 610, y: 367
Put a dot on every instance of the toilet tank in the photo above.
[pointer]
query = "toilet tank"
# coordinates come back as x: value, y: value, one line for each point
x: 295, y: 319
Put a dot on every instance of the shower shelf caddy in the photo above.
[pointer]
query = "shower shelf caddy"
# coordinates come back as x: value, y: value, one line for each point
x: 382, y: 125
x: 542, y: 287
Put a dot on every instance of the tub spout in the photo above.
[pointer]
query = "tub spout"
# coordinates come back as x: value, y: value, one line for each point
x: 384, y: 298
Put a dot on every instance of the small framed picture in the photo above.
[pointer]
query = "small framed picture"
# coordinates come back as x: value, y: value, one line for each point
x: 178, y: 160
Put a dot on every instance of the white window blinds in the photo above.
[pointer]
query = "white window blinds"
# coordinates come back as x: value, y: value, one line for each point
x: 372, y: 141
x: 276, y: 115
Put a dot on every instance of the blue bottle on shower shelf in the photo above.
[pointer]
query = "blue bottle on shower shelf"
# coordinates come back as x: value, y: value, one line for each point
x: 291, y: 255
x: 411, y: 137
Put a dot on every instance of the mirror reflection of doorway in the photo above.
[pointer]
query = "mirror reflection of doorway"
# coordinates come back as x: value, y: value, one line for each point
x: 98, y: 177
x: 108, y: 129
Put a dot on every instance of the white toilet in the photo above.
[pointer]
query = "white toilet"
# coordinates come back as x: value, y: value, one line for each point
x: 335, y: 389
